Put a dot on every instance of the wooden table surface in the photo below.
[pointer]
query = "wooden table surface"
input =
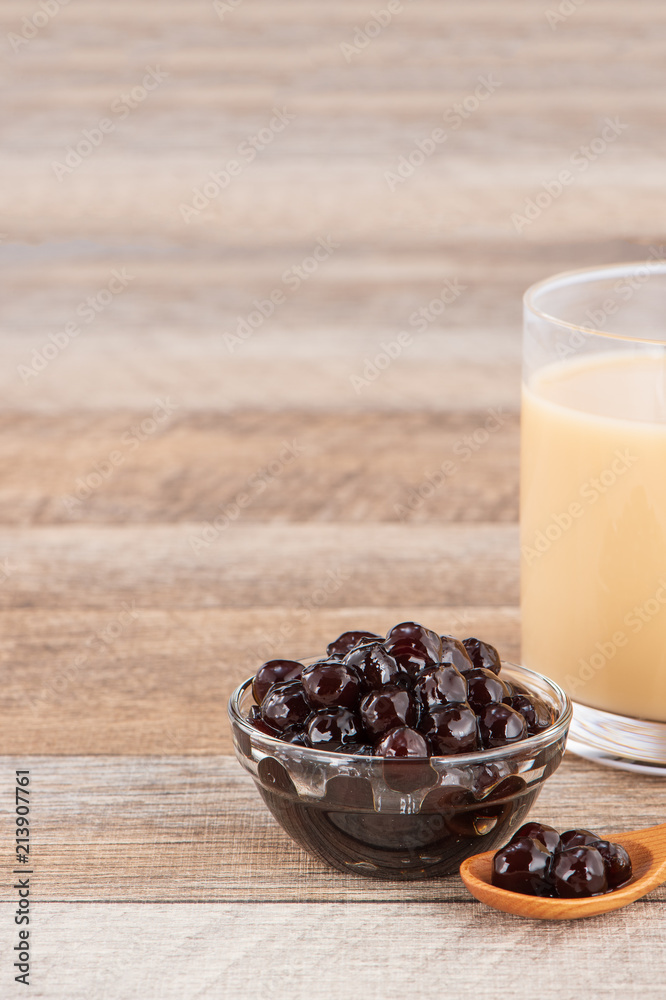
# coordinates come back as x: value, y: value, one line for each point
x: 143, y: 394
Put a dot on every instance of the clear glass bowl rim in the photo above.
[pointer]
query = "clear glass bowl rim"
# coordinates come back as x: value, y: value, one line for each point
x: 586, y: 274
x: 525, y: 748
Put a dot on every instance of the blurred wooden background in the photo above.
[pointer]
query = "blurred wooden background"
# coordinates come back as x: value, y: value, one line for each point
x: 135, y: 411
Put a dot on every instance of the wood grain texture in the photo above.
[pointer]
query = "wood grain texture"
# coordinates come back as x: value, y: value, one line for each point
x: 355, y: 116
x: 97, y: 681
x: 145, y: 829
x: 166, y: 335
x: 123, y: 639
x: 190, y: 951
x: 259, y: 565
x: 120, y: 640
x: 110, y: 468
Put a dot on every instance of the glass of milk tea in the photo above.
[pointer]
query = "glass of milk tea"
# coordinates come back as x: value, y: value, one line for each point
x: 593, y: 505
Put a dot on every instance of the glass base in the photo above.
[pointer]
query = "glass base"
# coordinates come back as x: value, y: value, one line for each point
x: 618, y: 741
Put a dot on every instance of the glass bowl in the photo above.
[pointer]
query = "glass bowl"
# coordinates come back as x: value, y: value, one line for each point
x: 402, y: 819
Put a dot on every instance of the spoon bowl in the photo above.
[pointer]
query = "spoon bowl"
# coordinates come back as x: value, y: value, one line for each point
x: 646, y: 848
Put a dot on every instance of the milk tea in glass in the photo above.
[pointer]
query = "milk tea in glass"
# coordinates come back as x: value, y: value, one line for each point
x: 593, y: 505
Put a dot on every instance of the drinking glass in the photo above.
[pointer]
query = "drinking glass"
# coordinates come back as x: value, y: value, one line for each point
x: 593, y: 504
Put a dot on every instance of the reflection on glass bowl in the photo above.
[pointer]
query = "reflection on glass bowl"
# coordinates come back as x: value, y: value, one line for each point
x: 402, y: 819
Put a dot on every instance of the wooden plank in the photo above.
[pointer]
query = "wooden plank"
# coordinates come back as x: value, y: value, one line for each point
x: 194, y: 58
x: 101, y: 467
x: 512, y: 14
x: 324, y: 349
x: 208, y: 379
x: 245, y: 564
x: 368, y: 108
x: 103, y: 682
x: 381, y: 952
x: 359, y: 293
x: 344, y: 96
x: 193, y: 830
x: 265, y: 204
x: 375, y: 278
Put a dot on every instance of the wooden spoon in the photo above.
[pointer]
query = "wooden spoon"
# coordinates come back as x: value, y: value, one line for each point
x: 646, y: 848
